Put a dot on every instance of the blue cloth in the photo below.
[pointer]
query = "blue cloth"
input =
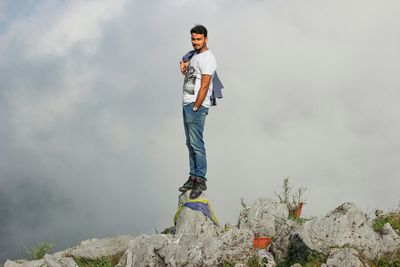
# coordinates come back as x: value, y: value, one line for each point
x: 201, y: 207
x: 217, y: 84
x: 193, y: 123
x: 188, y: 55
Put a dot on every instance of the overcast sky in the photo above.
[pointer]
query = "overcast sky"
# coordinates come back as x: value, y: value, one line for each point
x: 91, y: 134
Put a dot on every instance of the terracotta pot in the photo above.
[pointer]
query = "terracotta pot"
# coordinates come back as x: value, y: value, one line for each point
x: 297, y: 212
x: 261, y: 242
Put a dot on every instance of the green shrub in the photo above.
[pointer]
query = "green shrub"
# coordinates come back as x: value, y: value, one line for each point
x: 227, y: 264
x: 393, y: 218
x: 42, y: 248
x: 169, y: 230
x: 313, y: 259
x: 253, y: 261
x: 101, y: 262
x: 390, y: 260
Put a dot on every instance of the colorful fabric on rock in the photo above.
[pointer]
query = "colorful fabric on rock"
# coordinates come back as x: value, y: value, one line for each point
x: 198, y: 204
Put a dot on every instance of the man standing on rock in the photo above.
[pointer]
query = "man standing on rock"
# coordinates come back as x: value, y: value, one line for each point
x: 197, y: 90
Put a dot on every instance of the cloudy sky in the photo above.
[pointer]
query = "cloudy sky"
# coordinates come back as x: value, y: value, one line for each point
x: 91, y: 136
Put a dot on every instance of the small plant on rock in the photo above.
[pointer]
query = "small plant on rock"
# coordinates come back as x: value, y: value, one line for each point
x: 169, y: 230
x: 253, y: 261
x: 227, y: 264
x: 313, y: 259
x: 392, y: 260
x: 293, y: 201
x: 42, y: 248
x: 393, y: 218
x: 100, y: 262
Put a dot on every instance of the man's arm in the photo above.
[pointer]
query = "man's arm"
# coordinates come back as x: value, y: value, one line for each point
x: 204, y: 85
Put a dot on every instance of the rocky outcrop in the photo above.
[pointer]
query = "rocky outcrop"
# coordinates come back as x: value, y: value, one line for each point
x: 344, y: 237
x: 54, y: 261
x: 389, y: 237
x: 48, y: 260
x: 192, y: 222
x: 269, y: 218
x: 281, y: 242
x: 197, y: 242
x: 263, y: 217
x: 96, y: 248
x: 92, y: 249
x: 346, y: 226
x: 188, y: 250
x: 23, y: 263
x: 348, y: 257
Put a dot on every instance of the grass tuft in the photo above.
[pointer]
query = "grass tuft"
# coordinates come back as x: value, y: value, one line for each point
x: 393, y: 218
x: 100, y: 262
x: 392, y: 260
x: 227, y: 264
x: 253, y: 261
x: 42, y: 248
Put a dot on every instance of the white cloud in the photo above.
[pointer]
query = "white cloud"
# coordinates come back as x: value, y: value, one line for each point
x: 80, y: 21
x: 56, y: 28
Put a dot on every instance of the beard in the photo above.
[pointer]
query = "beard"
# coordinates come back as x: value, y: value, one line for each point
x: 198, y: 48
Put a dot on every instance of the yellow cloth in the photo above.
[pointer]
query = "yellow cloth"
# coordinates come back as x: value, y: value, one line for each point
x: 197, y: 200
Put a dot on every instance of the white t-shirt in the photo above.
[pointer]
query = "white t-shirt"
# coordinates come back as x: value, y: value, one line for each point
x: 203, y: 63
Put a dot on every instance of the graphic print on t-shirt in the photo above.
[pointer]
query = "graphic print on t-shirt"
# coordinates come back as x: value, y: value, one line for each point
x: 190, y: 81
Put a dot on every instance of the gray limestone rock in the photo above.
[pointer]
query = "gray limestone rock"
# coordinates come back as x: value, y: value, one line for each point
x: 145, y: 251
x: 23, y: 263
x: 266, y: 217
x: 263, y: 217
x: 281, y: 241
x: 54, y: 261
x: 345, y: 226
x: 348, y: 257
x: 192, y: 222
x: 96, y: 248
x: 234, y: 246
x: 389, y: 236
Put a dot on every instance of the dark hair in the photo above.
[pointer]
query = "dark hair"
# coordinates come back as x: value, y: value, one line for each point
x: 199, y: 29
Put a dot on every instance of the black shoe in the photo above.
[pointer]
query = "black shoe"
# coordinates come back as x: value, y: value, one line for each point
x: 188, y: 185
x: 198, y: 188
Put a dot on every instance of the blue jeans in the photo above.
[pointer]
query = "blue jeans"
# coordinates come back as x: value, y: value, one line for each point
x: 194, y: 127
